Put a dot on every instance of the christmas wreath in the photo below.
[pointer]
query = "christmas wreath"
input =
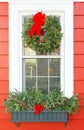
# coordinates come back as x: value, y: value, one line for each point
x: 50, y: 37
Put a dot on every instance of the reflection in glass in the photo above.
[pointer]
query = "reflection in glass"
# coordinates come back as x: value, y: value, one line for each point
x: 28, y: 51
x: 30, y: 82
x: 30, y: 67
x: 54, y: 68
x: 41, y: 73
x: 54, y: 82
x: 42, y: 67
x: 43, y: 83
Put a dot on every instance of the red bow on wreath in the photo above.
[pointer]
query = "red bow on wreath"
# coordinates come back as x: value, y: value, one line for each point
x: 39, y: 20
x: 38, y: 108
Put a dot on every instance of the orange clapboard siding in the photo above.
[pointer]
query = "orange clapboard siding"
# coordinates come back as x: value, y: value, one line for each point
x: 3, y: 74
x: 3, y: 21
x: 79, y: 34
x: 79, y: 22
x: 72, y: 124
x: 3, y: 114
x: 81, y: 95
x: 3, y: 48
x: 81, y: 101
x: 3, y: 61
x: 3, y: 34
x: 3, y: 96
x: 79, y: 61
x: 3, y: 8
x: 79, y: 8
x: 4, y: 86
x: 79, y: 48
x: 79, y: 86
x: 79, y: 74
x: 79, y: 115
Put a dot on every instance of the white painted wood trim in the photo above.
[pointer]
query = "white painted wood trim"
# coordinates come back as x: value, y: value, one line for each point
x: 43, y: 1
x: 46, y: 1
x: 16, y: 10
x: 78, y: 0
x: 4, y: 0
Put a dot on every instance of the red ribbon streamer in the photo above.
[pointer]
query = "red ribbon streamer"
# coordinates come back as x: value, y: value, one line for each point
x: 39, y: 20
x: 38, y: 108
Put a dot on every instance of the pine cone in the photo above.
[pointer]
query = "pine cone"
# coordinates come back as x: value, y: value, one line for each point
x: 42, y: 40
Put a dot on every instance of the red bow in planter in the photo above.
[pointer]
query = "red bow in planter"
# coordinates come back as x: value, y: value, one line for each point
x: 38, y: 108
x: 39, y: 20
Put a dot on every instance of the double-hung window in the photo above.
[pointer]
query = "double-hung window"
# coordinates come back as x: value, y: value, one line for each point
x: 41, y: 71
x: 28, y: 69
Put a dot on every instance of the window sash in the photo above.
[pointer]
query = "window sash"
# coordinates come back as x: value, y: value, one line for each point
x: 36, y: 76
x: 34, y: 56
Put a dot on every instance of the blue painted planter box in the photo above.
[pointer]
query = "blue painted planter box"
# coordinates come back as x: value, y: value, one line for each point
x: 44, y: 116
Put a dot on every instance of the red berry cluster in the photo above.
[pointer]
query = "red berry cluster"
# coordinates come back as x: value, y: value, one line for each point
x: 38, y: 108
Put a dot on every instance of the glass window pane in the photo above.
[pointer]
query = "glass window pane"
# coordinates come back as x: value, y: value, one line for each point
x: 43, y: 83
x: 42, y: 67
x: 30, y: 82
x: 54, y: 82
x: 28, y: 51
x: 37, y: 74
x: 54, y: 68
x: 30, y: 67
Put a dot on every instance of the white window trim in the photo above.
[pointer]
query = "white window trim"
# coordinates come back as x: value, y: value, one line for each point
x: 4, y: 0
x: 16, y: 10
x: 48, y: 1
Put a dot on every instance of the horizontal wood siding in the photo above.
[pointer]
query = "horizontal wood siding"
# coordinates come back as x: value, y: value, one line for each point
x: 4, y: 22
x: 78, y: 48
x: 75, y: 121
x: 79, y: 57
x: 3, y: 35
x: 79, y: 61
x: 79, y: 8
x: 3, y: 48
x: 4, y: 65
x: 4, y: 9
x: 79, y: 21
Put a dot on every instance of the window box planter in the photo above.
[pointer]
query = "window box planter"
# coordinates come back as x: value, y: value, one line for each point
x: 19, y: 104
x: 44, y: 116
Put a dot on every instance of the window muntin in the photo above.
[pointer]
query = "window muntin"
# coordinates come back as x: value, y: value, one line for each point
x: 41, y: 71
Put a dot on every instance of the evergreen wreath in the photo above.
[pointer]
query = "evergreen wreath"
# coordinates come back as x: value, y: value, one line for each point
x: 50, y: 37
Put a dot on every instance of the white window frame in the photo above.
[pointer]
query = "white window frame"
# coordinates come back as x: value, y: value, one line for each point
x: 49, y: 1
x: 19, y: 8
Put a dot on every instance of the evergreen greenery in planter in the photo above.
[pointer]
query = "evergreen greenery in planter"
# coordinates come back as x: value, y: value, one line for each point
x: 54, y: 100
x: 54, y: 105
